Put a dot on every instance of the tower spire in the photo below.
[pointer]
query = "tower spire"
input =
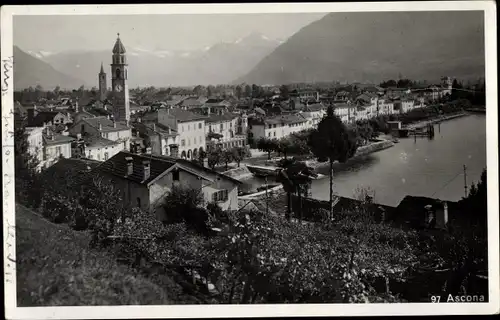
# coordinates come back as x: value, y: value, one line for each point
x: 102, y: 68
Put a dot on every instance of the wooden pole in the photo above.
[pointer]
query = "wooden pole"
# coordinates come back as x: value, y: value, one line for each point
x: 465, y: 180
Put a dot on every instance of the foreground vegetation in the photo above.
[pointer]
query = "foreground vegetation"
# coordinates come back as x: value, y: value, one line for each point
x: 230, y: 257
x: 55, y: 267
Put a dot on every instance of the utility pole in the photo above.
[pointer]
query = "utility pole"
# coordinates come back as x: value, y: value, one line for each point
x: 465, y: 180
x: 267, y: 199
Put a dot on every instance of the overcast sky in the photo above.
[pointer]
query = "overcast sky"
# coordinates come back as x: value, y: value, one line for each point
x: 151, y: 32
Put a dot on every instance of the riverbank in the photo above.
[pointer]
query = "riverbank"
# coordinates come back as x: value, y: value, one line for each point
x: 362, y: 151
x: 425, y: 123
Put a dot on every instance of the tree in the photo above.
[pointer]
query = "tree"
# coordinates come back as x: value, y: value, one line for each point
x: 239, y: 92
x: 25, y: 164
x: 248, y: 91
x: 240, y: 153
x: 214, y: 156
x: 284, y: 146
x: 295, y: 176
x: 210, y: 91
x: 332, y: 142
x: 267, y: 145
x: 183, y: 203
x: 227, y: 157
x: 284, y: 92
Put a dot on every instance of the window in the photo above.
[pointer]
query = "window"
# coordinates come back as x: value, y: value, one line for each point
x: 189, y: 127
x: 175, y: 175
x: 199, y: 125
x: 58, y: 151
x: 183, y: 142
x: 274, y: 125
x: 189, y: 142
x: 269, y: 134
x: 274, y: 134
x: 138, y: 202
x: 106, y: 156
x: 270, y: 126
x: 221, y: 127
x: 194, y: 140
x: 219, y: 196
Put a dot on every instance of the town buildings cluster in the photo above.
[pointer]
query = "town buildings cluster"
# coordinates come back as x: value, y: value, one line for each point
x: 148, y: 147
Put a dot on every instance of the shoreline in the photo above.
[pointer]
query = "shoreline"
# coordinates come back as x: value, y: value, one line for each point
x: 424, y: 123
x: 362, y: 151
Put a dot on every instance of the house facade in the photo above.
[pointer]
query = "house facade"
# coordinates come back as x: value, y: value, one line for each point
x: 277, y: 127
x: 189, y: 126
x: 117, y: 131
x: 224, y: 126
x: 55, y: 146
x: 145, y: 180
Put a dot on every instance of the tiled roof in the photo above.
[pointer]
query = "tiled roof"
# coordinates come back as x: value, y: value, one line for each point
x: 106, y: 124
x: 220, y: 118
x: 314, y: 107
x: 43, y: 117
x: 92, y: 141
x: 150, y: 116
x: 70, y: 169
x: 260, y: 111
x: 55, y: 139
x: 287, y: 119
x: 117, y: 166
x: 183, y: 115
x: 151, y: 127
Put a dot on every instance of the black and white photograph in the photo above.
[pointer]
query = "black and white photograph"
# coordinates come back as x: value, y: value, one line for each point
x: 263, y: 159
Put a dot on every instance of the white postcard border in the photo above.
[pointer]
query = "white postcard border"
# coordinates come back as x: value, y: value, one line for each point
x: 281, y: 310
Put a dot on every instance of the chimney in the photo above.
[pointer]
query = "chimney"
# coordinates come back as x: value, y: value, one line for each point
x: 146, y: 167
x: 114, y: 123
x: 100, y: 126
x: 154, y: 126
x: 130, y: 165
x: 76, y: 106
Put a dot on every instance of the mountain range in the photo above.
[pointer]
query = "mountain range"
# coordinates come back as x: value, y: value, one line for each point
x: 375, y: 46
x: 30, y: 71
x: 217, y: 64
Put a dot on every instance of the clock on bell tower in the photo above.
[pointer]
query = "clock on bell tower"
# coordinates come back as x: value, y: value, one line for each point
x: 119, y: 77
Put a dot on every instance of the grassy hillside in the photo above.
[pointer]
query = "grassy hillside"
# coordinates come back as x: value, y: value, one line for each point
x: 55, y: 267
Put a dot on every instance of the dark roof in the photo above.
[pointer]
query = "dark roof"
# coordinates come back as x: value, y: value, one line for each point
x: 70, y: 169
x: 314, y: 107
x: 117, y: 166
x: 152, y: 127
x: 43, y: 117
x: 220, y: 118
x: 98, y: 142
x: 183, y: 115
x: 119, y: 48
x: 260, y: 111
x: 106, y: 124
x: 288, y: 119
x: 196, y: 166
x: 55, y: 139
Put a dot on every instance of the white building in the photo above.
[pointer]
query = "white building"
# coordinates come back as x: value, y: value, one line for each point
x: 385, y: 106
x: 344, y: 111
x: 189, y: 126
x: 277, y: 127
x: 103, y: 127
x: 225, y: 125
x: 314, y: 113
x: 55, y: 146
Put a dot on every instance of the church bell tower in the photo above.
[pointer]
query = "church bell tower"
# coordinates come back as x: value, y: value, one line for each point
x: 119, y: 76
x: 102, y: 84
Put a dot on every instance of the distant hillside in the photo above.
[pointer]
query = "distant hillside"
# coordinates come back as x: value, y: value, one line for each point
x: 31, y: 71
x: 373, y: 46
x: 217, y: 64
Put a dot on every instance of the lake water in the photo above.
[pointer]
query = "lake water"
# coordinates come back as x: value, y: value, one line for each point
x: 431, y: 168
